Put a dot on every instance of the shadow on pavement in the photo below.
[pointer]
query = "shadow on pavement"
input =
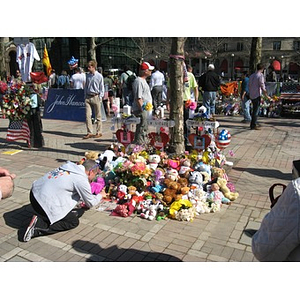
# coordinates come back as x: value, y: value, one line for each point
x: 19, y: 219
x: 266, y: 173
x: 116, y: 254
x: 63, y: 133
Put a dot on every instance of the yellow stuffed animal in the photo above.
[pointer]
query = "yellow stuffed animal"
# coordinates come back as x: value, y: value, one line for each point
x: 93, y: 155
x: 222, y: 183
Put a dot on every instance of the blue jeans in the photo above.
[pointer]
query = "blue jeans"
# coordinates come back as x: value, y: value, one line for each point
x: 126, y: 96
x: 246, y: 108
x: 256, y: 104
x: 209, y: 101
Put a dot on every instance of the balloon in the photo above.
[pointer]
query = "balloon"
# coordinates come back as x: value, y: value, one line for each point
x: 73, y: 62
x: 224, y: 139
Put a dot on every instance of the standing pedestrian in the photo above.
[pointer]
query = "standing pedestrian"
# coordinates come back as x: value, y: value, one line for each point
x: 94, y: 92
x: 245, y: 98
x: 77, y: 81
x: 55, y: 196
x: 126, y: 87
x: 108, y: 94
x: 63, y: 80
x: 210, y: 83
x: 190, y: 88
x: 141, y: 97
x: 256, y: 88
x: 52, y: 82
x: 156, y: 86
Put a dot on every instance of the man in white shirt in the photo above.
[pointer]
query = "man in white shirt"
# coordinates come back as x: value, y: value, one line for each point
x: 156, y: 85
x: 77, y: 81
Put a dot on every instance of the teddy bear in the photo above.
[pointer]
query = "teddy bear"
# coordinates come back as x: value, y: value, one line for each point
x: 153, y: 161
x: 172, y: 174
x: 183, y: 181
x: 184, y: 191
x: 217, y: 172
x: 185, y: 167
x: 186, y: 214
x: 93, y: 155
x: 222, y: 183
x: 172, y: 188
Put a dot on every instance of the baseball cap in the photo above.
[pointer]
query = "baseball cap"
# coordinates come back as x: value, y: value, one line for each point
x: 146, y: 66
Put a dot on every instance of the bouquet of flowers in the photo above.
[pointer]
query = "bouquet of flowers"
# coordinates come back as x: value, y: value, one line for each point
x: 16, y: 101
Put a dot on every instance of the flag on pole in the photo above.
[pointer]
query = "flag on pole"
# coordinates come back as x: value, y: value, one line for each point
x: 18, y: 130
x: 46, y: 61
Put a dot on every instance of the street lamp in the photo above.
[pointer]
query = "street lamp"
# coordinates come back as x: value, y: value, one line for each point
x: 232, y: 58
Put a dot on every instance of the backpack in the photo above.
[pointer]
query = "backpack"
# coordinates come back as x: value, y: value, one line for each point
x: 129, y: 81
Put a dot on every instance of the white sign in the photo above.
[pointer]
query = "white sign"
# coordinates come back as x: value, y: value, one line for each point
x: 161, y: 123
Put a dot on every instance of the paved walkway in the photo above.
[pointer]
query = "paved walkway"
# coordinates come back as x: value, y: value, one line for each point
x: 260, y: 159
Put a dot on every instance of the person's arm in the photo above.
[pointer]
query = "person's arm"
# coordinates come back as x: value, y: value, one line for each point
x: 263, y: 87
x: 6, y: 186
x: 101, y: 87
x: 278, y: 234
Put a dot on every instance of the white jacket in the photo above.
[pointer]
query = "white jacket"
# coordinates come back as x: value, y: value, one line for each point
x: 59, y: 191
x: 278, y: 238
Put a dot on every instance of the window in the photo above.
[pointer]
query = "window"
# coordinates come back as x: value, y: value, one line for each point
x: 276, y: 45
x: 296, y: 45
x: 225, y: 47
x: 239, y: 47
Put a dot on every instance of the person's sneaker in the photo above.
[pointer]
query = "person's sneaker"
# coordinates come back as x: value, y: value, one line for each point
x: 30, y: 229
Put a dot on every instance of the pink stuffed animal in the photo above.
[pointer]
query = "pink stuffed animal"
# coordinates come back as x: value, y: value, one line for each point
x: 98, y: 185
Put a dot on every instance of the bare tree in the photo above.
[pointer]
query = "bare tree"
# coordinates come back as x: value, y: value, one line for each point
x: 176, y: 95
x: 94, y: 46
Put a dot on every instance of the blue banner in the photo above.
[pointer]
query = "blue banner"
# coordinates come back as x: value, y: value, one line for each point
x: 65, y: 104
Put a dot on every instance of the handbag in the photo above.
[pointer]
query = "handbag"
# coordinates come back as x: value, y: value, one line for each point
x: 274, y: 199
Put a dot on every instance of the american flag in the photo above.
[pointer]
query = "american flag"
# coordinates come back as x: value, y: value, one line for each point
x: 18, y: 130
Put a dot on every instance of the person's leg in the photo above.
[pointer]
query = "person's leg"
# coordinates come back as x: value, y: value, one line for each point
x: 247, y: 115
x: 213, y: 96
x: 40, y: 223
x: 88, y: 114
x: 185, y: 128
x: 206, y: 102
x: 97, y: 109
x: 140, y: 137
x: 255, y: 103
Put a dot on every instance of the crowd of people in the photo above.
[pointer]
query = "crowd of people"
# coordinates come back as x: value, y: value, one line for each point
x: 55, y: 196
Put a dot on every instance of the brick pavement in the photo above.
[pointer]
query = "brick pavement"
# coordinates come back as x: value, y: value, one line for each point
x: 260, y: 159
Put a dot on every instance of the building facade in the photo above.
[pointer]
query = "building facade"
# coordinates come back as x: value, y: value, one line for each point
x: 230, y: 55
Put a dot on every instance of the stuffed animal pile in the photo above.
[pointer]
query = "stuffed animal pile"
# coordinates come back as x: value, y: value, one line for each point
x: 156, y: 185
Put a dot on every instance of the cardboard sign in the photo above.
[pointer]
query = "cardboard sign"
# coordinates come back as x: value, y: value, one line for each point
x: 158, y: 140
x: 199, y: 142
x: 125, y: 137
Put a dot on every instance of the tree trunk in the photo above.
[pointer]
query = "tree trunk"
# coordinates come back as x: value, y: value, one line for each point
x: 176, y: 95
x: 92, y: 51
x: 2, y: 59
x: 255, y: 54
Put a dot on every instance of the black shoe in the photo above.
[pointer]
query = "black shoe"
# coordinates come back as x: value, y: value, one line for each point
x: 30, y: 229
x: 255, y: 128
